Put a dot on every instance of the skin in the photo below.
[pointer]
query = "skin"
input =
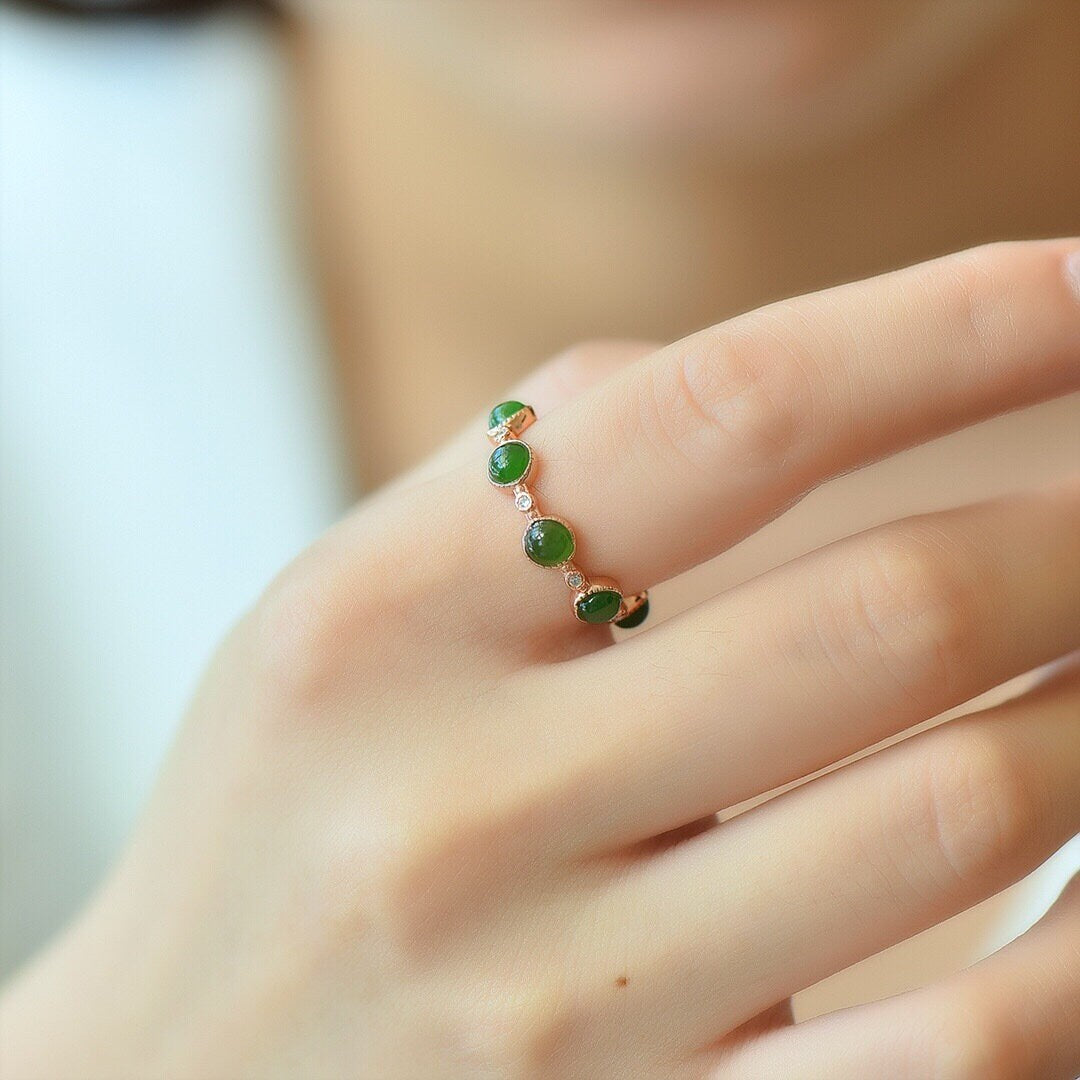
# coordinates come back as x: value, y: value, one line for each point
x: 406, y: 853
x: 461, y: 236
x: 419, y: 822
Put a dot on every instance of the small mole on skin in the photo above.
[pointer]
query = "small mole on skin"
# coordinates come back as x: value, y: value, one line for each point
x: 621, y: 981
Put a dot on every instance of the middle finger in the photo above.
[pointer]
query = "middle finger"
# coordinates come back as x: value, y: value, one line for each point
x: 823, y: 657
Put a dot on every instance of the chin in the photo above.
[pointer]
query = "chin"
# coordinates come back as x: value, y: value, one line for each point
x: 745, y: 76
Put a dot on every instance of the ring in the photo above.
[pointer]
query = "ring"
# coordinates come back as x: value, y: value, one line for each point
x: 549, y: 541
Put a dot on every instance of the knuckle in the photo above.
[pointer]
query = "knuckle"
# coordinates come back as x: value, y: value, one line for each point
x: 313, y: 622
x: 399, y: 889
x: 300, y: 630
x: 918, y: 606
x: 724, y: 385
x: 987, y: 263
x: 532, y: 1036
x: 446, y: 874
x: 437, y: 879
x: 541, y: 1041
x: 978, y: 264
x: 584, y: 363
x: 983, y: 808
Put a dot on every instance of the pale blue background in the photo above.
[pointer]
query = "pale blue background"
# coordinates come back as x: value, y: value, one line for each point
x: 163, y: 434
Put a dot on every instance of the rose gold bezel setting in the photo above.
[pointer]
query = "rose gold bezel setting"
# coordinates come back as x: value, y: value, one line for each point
x: 528, y: 468
x: 590, y: 587
x: 526, y: 502
x: 512, y: 426
x: 631, y: 604
x: 533, y: 519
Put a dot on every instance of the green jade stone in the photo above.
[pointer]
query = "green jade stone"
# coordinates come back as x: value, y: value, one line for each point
x: 502, y: 412
x: 635, y: 618
x: 508, y: 463
x: 548, y: 542
x: 598, y: 607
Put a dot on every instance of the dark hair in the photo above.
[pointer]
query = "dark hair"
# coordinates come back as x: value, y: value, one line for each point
x: 120, y: 9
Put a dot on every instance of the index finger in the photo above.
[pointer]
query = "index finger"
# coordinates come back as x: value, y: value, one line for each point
x: 697, y: 445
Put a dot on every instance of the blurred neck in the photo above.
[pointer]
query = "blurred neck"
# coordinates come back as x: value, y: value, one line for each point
x: 457, y: 253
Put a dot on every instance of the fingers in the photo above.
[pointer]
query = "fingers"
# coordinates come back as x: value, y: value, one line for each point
x: 1013, y: 1015
x: 851, y: 863
x: 823, y: 657
x: 682, y: 454
x: 551, y: 385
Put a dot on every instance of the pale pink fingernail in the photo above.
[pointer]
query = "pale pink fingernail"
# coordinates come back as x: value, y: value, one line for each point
x: 1072, y: 271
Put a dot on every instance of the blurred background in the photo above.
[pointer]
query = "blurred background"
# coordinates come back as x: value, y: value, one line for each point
x: 243, y: 250
x: 165, y: 393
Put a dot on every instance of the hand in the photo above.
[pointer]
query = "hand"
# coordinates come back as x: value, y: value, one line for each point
x: 420, y: 823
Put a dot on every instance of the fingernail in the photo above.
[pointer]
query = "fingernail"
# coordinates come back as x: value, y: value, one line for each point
x: 1072, y: 271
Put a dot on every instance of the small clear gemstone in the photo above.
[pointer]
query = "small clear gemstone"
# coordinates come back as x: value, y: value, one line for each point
x: 523, y: 500
x: 575, y: 580
x: 502, y: 433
